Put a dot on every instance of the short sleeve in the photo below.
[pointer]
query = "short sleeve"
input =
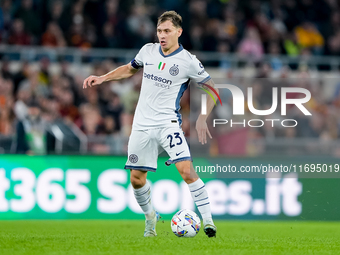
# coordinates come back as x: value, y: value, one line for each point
x: 138, y: 62
x: 197, y: 72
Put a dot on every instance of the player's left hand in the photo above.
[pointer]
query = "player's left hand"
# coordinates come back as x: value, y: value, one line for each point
x: 202, y: 130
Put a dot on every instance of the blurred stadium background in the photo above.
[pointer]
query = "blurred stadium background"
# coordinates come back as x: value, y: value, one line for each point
x: 47, y: 48
x: 63, y: 149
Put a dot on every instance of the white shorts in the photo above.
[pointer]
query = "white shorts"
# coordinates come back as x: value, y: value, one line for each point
x: 145, y: 146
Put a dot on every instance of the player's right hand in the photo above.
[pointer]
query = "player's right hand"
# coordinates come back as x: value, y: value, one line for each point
x: 92, y: 81
x: 202, y: 130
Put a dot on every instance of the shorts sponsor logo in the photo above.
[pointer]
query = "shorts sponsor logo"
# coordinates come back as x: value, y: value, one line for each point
x: 133, y: 158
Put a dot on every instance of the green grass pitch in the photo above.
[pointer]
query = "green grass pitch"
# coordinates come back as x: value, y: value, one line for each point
x: 126, y: 237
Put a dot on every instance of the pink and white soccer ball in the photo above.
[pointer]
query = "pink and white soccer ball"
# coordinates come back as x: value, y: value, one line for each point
x: 185, y: 223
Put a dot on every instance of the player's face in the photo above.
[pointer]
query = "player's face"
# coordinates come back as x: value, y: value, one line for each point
x: 168, y: 35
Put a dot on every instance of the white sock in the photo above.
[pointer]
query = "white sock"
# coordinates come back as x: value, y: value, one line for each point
x: 200, y: 196
x: 143, y: 197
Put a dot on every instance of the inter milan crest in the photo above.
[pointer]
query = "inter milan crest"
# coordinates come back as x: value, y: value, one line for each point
x: 174, y: 70
x: 133, y: 158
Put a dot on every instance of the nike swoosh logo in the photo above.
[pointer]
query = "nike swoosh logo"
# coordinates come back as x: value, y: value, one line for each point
x: 179, y: 153
x: 148, y: 64
x: 199, y: 194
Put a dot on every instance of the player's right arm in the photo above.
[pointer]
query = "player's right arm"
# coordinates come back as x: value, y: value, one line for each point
x: 201, y: 123
x: 203, y: 79
x: 119, y: 73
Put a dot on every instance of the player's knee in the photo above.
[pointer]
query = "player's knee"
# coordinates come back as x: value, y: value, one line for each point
x: 187, y: 176
x: 137, y: 182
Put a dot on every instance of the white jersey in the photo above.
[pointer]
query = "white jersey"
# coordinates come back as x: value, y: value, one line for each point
x: 165, y: 78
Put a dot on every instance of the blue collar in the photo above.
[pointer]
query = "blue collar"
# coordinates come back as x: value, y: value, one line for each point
x: 171, y: 54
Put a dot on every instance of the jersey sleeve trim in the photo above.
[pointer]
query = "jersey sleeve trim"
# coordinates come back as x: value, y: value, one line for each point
x: 204, y: 80
x: 135, y: 65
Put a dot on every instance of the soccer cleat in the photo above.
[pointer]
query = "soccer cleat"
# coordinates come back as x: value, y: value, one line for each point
x: 210, y: 230
x: 150, y: 226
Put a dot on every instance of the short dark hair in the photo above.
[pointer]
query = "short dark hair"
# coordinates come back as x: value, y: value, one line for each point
x: 173, y: 16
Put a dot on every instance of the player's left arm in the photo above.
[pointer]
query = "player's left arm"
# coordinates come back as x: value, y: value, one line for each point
x: 201, y: 123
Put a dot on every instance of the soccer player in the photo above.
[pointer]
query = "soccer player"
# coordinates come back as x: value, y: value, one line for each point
x: 167, y: 69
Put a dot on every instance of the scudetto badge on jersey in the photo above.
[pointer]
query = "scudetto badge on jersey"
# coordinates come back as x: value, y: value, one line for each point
x: 161, y: 66
x: 174, y: 70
